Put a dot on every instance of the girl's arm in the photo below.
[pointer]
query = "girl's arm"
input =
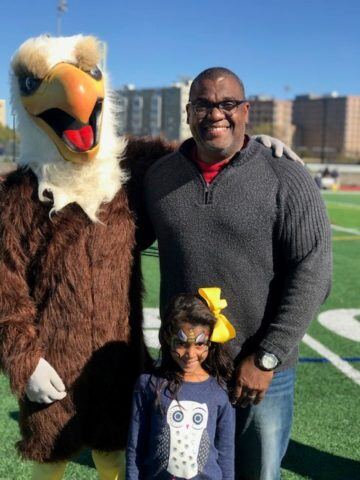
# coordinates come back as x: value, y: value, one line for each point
x: 138, y: 434
x: 225, y: 440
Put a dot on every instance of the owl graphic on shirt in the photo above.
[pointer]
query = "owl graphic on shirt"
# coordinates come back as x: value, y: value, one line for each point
x: 183, y: 447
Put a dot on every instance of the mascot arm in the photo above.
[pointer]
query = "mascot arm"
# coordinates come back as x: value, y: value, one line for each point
x: 19, y: 350
x: 278, y: 147
x: 19, y: 345
x: 140, y: 154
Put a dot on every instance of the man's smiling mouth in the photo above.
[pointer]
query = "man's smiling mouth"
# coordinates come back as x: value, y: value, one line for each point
x: 216, y: 130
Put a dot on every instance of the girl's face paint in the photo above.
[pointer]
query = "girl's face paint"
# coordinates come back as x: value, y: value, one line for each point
x: 190, y: 347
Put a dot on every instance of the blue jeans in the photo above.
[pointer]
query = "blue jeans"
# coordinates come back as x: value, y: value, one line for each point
x: 263, y: 431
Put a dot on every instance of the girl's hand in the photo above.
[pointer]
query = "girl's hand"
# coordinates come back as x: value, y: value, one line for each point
x: 251, y: 383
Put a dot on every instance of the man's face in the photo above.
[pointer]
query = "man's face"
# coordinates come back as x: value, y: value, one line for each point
x: 218, y: 135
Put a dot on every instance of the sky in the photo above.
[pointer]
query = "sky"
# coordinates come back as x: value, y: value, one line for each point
x: 281, y: 48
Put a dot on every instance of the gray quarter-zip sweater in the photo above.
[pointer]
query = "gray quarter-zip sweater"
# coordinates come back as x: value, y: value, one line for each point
x: 259, y: 231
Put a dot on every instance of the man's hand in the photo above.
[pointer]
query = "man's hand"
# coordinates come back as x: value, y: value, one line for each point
x: 279, y: 148
x: 45, y: 385
x: 251, y: 383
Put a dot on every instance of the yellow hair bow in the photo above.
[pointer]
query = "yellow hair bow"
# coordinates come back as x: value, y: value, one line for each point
x: 223, y: 330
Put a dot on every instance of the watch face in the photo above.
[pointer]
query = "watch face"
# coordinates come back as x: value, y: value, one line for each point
x: 269, y: 361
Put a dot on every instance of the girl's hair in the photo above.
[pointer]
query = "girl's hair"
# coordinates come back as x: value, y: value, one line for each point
x: 191, y: 309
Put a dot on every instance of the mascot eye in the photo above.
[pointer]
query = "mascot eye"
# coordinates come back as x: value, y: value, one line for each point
x: 178, y: 416
x: 96, y: 73
x: 198, y: 418
x: 29, y: 84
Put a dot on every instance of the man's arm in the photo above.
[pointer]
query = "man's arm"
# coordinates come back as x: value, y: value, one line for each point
x: 305, y: 246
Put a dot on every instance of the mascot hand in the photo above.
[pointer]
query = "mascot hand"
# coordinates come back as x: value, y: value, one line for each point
x: 279, y: 148
x: 45, y: 385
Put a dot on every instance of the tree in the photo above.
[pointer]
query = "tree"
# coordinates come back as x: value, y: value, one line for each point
x: 265, y: 128
x: 6, y: 134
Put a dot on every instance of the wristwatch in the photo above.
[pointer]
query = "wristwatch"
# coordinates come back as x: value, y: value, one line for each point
x: 266, y: 361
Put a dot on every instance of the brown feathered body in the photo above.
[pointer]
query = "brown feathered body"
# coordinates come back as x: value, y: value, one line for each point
x: 70, y: 292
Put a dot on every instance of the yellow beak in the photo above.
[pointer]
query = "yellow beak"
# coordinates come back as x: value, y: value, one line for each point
x: 68, y: 107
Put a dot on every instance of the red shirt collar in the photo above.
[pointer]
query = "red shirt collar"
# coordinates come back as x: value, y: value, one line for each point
x: 210, y: 170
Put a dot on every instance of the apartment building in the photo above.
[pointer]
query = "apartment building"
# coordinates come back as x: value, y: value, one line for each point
x: 154, y: 111
x: 2, y: 112
x: 272, y: 116
x: 327, y: 126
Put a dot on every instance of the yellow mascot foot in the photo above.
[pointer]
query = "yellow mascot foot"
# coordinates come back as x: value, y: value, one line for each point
x: 48, y: 471
x: 110, y: 465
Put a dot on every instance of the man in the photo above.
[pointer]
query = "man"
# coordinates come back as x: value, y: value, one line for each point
x: 228, y: 214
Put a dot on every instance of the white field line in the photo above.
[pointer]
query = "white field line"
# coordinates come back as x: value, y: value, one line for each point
x: 342, y: 321
x: 329, y: 192
x: 354, y: 231
x: 338, y: 362
x: 343, y: 204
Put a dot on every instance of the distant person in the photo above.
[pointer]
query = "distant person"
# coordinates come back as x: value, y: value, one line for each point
x: 223, y: 208
x: 318, y: 180
x: 326, y: 173
x: 336, y: 177
x: 335, y: 173
x: 327, y: 180
x: 183, y: 424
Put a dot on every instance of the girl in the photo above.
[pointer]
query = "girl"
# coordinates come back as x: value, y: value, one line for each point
x: 182, y: 426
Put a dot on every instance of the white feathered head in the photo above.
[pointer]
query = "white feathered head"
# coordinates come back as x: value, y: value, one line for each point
x: 66, y: 120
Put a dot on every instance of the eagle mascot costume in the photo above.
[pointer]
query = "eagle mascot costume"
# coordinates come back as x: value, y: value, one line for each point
x: 72, y: 224
x: 71, y: 338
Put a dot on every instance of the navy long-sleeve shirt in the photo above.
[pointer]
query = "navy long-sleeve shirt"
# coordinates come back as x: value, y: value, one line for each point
x: 188, y: 438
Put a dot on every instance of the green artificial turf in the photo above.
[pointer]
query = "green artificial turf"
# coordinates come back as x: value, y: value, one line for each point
x: 352, y: 198
x: 344, y: 216
x: 151, y: 273
x: 344, y: 209
x: 325, y: 443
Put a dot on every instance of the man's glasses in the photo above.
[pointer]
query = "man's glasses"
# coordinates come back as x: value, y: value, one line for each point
x: 227, y: 107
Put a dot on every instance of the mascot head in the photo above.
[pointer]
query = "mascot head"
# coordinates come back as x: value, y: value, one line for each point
x: 66, y: 120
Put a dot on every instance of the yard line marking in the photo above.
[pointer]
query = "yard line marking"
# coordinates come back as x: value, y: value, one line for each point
x: 341, y: 193
x: 356, y: 238
x: 325, y: 360
x: 343, y: 204
x: 151, y: 327
x: 342, y: 321
x: 338, y: 363
x: 354, y: 231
